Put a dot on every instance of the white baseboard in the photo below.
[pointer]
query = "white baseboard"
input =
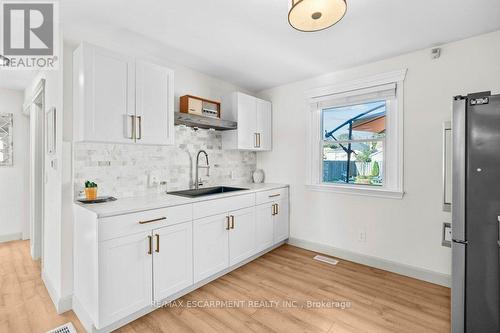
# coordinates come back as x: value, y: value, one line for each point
x: 62, y: 304
x: 391, y: 266
x: 11, y: 237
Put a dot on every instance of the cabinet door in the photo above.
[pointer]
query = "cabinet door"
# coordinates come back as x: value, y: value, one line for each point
x: 172, y: 259
x: 281, y: 221
x: 247, y: 118
x: 210, y: 243
x: 264, y: 226
x: 106, y: 96
x: 241, y: 235
x: 154, y: 104
x: 264, y: 125
x: 125, y: 277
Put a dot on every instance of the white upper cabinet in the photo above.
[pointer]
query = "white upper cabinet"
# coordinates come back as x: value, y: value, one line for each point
x: 154, y: 99
x: 103, y: 95
x: 117, y: 99
x: 254, y: 117
x: 264, y: 124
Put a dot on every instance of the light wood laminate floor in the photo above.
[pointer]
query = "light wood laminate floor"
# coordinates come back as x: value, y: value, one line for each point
x: 266, y: 295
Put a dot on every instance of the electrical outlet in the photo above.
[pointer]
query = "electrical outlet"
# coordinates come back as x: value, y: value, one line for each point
x: 362, y: 236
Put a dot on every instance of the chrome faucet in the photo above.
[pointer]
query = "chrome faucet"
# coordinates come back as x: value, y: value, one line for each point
x: 197, y: 181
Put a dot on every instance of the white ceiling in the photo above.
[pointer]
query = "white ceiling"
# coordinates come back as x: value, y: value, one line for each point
x: 249, y: 42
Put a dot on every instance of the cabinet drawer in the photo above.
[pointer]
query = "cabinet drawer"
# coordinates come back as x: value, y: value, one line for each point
x: 116, y: 226
x: 220, y: 206
x: 272, y: 195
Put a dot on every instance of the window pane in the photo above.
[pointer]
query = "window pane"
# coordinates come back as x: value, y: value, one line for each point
x: 354, y: 122
x: 364, y: 164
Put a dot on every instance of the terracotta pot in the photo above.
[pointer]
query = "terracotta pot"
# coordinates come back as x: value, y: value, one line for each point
x: 91, y: 193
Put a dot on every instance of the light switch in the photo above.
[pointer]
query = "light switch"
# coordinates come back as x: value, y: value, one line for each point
x: 446, y: 235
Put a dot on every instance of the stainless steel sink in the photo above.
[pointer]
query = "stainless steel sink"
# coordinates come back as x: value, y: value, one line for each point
x: 201, y: 192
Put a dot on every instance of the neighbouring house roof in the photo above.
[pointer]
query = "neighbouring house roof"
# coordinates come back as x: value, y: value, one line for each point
x: 374, y: 123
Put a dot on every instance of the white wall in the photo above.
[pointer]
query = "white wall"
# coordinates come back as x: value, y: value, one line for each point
x: 14, y: 204
x: 53, y: 252
x: 406, y: 231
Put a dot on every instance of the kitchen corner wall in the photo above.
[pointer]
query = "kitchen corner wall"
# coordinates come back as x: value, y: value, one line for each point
x: 406, y: 231
x: 124, y: 170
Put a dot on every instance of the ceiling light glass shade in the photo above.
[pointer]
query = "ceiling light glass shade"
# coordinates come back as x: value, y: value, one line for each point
x: 314, y: 15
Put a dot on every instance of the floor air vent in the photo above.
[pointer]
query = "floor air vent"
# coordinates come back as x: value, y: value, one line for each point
x: 66, y: 328
x: 328, y: 260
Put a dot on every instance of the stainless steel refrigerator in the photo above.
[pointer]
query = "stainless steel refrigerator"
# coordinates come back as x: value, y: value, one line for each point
x: 476, y: 209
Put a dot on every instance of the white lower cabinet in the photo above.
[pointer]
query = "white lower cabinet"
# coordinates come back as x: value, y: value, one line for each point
x: 264, y: 229
x: 211, y: 250
x: 281, y: 216
x: 223, y: 240
x: 271, y: 223
x: 241, y: 235
x: 125, y: 281
x: 172, y: 259
x: 125, y: 263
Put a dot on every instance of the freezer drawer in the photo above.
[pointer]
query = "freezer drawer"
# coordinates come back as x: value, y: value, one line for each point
x: 458, y: 287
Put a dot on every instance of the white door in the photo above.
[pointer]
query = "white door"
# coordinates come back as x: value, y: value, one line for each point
x: 264, y: 125
x: 241, y: 235
x: 247, y: 118
x: 109, y: 98
x: 264, y: 226
x: 281, y: 228
x: 172, y: 259
x: 154, y: 104
x: 125, y: 277
x: 210, y: 245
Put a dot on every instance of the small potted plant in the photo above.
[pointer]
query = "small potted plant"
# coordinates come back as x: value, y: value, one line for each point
x: 90, y: 190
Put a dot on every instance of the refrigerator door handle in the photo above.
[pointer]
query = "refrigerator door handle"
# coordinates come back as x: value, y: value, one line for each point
x: 459, y: 172
x: 446, y: 165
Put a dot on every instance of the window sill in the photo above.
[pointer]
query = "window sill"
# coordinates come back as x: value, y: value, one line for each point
x: 357, y: 190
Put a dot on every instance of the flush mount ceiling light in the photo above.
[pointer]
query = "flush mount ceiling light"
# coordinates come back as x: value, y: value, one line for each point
x: 315, y: 15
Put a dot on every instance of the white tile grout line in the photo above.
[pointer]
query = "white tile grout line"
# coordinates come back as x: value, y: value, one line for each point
x: 327, y: 260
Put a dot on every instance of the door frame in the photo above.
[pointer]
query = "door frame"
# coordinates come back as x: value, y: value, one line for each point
x: 37, y: 171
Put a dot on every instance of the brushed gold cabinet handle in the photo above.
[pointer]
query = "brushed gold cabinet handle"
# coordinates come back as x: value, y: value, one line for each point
x: 139, y: 118
x: 150, y: 241
x: 255, y: 140
x: 132, y: 133
x: 274, y: 195
x: 277, y: 209
x: 157, y: 243
x: 273, y: 209
x: 153, y: 220
x: 228, y: 223
x: 258, y: 140
x: 232, y: 221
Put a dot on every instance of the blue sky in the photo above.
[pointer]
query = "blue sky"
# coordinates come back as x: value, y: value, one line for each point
x: 334, y: 117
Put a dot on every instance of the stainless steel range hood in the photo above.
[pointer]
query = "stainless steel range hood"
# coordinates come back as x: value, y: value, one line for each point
x: 192, y: 120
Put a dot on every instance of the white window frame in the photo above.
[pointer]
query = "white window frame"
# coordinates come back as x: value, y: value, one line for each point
x: 393, y: 144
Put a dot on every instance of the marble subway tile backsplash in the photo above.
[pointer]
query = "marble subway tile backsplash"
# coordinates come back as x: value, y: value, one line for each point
x: 124, y: 170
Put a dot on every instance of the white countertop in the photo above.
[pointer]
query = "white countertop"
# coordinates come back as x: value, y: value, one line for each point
x: 137, y: 204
